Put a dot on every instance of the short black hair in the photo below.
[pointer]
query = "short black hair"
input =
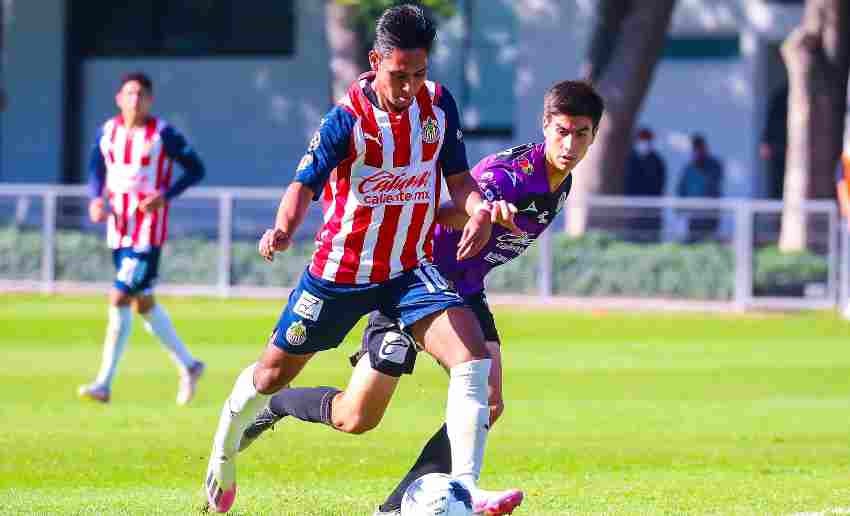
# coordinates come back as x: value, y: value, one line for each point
x: 142, y: 78
x: 697, y: 140
x: 574, y: 98
x: 404, y: 27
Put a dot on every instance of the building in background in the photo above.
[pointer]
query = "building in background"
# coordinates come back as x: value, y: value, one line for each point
x: 249, y: 85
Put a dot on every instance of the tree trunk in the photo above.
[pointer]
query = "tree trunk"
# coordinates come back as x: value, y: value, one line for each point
x: 816, y: 55
x: 625, y: 47
x: 348, y: 56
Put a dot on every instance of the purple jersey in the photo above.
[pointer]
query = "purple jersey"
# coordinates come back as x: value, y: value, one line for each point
x: 517, y: 175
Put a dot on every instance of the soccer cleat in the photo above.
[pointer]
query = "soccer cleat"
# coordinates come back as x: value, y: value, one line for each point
x: 379, y: 512
x: 220, y: 484
x: 189, y: 381
x: 496, y: 503
x: 846, y: 313
x: 94, y: 392
x: 265, y: 420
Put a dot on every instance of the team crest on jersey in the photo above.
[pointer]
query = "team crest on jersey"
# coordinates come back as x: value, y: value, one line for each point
x: 430, y: 130
x: 305, y: 162
x: 296, y: 334
x: 525, y: 166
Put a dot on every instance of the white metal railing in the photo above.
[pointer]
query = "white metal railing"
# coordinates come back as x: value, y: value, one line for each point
x: 738, y: 215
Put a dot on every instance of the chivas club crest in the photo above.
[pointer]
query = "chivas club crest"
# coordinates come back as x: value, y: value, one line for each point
x: 430, y: 130
x: 525, y: 166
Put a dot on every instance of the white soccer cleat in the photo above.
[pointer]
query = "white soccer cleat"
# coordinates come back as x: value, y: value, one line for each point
x: 189, y: 381
x: 94, y: 392
x: 495, y: 503
x: 220, y: 484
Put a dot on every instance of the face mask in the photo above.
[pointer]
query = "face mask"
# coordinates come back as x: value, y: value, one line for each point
x: 643, y: 147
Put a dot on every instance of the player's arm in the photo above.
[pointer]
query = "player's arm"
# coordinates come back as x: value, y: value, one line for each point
x: 462, y: 187
x: 97, y: 180
x: 330, y: 145
x: 178, y: 149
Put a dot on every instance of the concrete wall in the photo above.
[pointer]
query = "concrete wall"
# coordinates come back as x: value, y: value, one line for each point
x: 249, y: 119
x: 31, y: 135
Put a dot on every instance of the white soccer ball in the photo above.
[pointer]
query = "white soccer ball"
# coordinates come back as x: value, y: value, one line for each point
x: 436, y: 494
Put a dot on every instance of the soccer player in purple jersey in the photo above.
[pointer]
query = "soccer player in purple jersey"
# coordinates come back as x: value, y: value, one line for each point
x: 527, y: 185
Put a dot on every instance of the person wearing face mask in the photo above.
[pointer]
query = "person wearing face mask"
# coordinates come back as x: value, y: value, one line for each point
x: 701, y: 177
x: 645, y: 176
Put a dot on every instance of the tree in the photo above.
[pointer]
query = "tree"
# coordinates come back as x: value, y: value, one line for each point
x: 816, y: 56
x: 624, y: 48
x: 350, y: 29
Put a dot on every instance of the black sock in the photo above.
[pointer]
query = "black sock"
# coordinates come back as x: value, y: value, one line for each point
x: 312, y: 404
x: 436, y: 457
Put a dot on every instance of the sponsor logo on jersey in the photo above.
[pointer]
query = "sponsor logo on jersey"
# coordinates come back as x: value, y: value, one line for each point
x: 514, y: 243
x: 379, y: 140
x: 430, y: 130
x: 314, y: 141
x: 296, y: 334
x: 308, y: 306
x: 389, y: 187
x: 532, y: 208
x: 496, y: 258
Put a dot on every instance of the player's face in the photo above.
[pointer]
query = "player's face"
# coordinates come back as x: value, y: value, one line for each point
x: 567, y: 140
x: 399, y: 76
x: 134, y: 100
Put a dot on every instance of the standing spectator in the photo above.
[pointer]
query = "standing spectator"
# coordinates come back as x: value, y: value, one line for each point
x: 701, y: 177
x: 774, y: 141
x: 646, y: 175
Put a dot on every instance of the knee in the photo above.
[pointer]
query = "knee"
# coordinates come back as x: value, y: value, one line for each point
x: 355, y: 423
x: 268, y: 380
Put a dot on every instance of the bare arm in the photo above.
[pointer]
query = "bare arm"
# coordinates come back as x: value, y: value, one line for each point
x: 290, y: 214
x: 843, y: 199
x: 476, y: 232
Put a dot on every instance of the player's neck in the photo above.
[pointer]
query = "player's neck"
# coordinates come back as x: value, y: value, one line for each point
x: 131, y: 121
x: 555, y: 176
x: 383, y: 103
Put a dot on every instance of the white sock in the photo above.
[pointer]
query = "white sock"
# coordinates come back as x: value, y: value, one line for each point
x: 159, y: 324
x: 240, y: 409
x: 114, y: 343
x: 467, y: 418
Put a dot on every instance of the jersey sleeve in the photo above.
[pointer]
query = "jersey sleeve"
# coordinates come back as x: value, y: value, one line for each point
x: 497, y: 182
x: 452, y: 157
x: 97, y: 168
x: 177, y: 148
x: 330, y: 144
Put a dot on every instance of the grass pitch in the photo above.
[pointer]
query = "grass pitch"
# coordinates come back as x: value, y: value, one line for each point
x: 605, y: 413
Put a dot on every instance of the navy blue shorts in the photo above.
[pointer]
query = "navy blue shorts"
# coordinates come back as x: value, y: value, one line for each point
x: 320, y: 313
x: 135, y: 272
x: 392, y: 351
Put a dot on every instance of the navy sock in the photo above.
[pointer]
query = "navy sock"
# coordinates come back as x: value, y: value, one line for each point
x: 436, y: 457
x: 312, y: 404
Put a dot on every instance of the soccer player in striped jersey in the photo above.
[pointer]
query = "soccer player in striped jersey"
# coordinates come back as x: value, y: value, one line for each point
x: 377, y: 160
x: 130, y: 183
x: 528, y: 185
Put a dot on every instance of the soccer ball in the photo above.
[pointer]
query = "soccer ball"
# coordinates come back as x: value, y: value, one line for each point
x: 436, y: 494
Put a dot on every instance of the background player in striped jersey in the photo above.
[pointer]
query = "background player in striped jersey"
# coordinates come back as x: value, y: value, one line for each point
x: 528, y: 186
x: 378, y: 159
x: 130, y: 185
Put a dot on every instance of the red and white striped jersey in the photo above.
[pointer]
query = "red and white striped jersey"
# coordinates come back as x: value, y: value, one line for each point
x: 382, y: 194
x: 137, y: 166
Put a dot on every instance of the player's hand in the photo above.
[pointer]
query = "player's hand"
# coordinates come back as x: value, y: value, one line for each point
x: 97, y: 210
x: 152, y: 203
x: 503, y: 214
x: 476, y: 233
x: 272, y: 241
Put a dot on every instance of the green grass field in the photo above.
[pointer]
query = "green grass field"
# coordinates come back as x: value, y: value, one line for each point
x: 605, y: 413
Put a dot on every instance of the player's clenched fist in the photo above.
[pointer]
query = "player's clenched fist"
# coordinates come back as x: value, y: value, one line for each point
x: 97, y: 210
x: 273, y: 240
